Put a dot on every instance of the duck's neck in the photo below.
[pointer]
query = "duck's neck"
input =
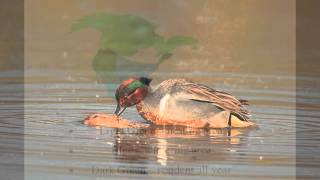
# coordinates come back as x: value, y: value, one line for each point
x: 145, y: 111
x: 147, y: 107
x: 145, y: 104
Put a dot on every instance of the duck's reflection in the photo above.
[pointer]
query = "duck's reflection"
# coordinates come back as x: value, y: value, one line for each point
x: 176, y: 144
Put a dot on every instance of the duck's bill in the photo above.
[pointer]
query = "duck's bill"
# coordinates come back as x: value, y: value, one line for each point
x: 119, y: 110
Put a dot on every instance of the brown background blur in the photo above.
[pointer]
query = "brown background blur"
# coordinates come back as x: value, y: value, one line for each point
x: 11, y: 34
x: 251, y: 36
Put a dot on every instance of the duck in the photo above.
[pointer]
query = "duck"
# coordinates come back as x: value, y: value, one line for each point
x: 182, y: 102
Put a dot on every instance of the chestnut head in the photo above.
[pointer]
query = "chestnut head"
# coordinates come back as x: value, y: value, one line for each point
x: 131, y: 92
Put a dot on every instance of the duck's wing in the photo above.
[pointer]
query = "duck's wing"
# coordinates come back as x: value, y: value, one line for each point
x: 199, y: 92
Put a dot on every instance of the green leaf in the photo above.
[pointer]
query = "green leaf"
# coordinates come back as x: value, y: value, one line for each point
x: 127, y: 34
x: 124, y: 36
x: 104, y: 61
x: 181, y: 40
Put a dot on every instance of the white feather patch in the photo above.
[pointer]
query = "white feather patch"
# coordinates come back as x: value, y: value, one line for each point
x: 163, y: 104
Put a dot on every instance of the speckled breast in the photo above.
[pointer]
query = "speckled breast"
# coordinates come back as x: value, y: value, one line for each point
x: 147, y: 112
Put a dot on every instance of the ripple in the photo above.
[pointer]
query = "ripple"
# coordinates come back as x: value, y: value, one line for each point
x: 56, y: 140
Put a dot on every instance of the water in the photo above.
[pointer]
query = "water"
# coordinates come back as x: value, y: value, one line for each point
x: 59, y: 145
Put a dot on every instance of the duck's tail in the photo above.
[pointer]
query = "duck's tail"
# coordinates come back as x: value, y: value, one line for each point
x: 244, y: 102
x: 236, y: 120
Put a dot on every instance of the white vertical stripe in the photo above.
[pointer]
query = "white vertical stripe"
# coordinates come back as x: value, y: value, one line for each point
x: 163, y: 104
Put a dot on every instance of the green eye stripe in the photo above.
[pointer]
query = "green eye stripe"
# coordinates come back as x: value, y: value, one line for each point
x: 133, y: 86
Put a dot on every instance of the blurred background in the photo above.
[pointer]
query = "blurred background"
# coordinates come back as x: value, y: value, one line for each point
x: 247, y: 36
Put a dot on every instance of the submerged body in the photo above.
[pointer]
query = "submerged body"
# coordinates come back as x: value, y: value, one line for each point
x: 183, y: 102
x: 112, y: 121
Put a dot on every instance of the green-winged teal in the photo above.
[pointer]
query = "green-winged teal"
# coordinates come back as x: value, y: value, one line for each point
x: 182, y: 102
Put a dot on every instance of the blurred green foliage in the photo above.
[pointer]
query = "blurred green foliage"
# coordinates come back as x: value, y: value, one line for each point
x: 124, y: 35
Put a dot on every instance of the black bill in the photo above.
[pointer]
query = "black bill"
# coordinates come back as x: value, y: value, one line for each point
x: 119, y: 110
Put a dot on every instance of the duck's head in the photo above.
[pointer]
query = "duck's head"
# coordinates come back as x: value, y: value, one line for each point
x: 131, y: 92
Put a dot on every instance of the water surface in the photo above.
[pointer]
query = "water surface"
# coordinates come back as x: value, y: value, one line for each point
x: 59, y: 145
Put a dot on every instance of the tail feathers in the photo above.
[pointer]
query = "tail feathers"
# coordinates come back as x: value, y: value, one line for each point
x: 240, y: 116
x: 244, y: 102
x: 238, y: 123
